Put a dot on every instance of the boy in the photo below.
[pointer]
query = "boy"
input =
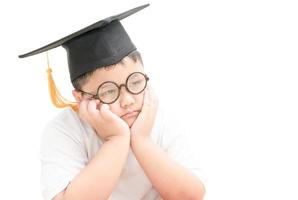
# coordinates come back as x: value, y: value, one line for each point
x: 114, y: 143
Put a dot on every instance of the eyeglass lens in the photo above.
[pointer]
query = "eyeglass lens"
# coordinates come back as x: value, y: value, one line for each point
x: 109, y: 91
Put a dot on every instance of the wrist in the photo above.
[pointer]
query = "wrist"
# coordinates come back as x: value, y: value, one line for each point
x: 124, y: 134
x: 118, y: 138
x: 138, y: 138
x: 124, y: 137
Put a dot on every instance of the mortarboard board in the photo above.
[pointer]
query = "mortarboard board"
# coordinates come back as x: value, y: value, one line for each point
x: 100, y: 44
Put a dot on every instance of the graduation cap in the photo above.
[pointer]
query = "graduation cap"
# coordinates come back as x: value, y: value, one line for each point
x: 101, y: 44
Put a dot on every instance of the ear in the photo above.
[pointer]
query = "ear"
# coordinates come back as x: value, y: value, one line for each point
x: 77, y: 95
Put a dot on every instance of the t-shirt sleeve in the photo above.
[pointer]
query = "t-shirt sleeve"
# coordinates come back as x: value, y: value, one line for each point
x: 177, y: 143
x: 62, y: 157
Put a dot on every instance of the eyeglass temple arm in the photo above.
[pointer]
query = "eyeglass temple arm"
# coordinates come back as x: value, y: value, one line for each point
x: 93, y: 95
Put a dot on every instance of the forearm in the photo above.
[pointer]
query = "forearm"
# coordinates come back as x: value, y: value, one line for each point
x: 170, y: 179
x: 99, y: 177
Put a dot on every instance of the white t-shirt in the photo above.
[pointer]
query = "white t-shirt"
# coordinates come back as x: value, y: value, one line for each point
x: 68, y: 144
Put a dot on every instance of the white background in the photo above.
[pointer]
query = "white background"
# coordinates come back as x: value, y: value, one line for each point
x: 228, y: 69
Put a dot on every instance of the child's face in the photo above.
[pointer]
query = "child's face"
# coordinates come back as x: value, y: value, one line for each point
x: 126, y: 102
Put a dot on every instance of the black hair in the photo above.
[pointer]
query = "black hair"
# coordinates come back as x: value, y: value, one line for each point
x: 81, y: 80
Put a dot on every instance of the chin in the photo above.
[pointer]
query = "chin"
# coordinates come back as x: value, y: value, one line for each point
x: 130, y: 122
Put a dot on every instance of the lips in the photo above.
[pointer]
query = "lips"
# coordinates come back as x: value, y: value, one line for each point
x: 130, y: 114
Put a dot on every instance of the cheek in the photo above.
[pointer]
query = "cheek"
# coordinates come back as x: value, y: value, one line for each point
x: 114, y: 108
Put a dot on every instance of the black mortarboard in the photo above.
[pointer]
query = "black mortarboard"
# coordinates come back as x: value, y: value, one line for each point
x: 100, y: 44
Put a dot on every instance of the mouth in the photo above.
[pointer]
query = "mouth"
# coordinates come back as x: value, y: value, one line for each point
x: 130, y: 114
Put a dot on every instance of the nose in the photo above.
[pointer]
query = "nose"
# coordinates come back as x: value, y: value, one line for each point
x: 126, y: 98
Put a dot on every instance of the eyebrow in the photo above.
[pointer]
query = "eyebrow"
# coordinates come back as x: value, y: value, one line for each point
x: 103, y: 86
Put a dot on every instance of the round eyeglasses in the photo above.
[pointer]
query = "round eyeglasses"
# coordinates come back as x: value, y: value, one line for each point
x: 108, y: 92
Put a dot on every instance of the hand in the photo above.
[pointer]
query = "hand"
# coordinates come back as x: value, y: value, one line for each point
x: 106, y: 123
x: 143, y: 125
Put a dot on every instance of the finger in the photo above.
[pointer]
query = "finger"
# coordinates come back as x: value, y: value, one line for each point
x: 145, y: 106
x: 153, y: 97
x: 83, y: 106
x: 92, y: 108
x: 98, y: 104
x: 150, y: 103
x: 106, y: 113
x: 83, y: 111
x: 147, y: 97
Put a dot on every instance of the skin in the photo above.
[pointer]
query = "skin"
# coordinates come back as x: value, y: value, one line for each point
x: 97, y: 114
x: 119, y: 133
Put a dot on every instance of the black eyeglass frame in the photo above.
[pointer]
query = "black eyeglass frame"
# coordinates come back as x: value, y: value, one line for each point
x: 95, y: 96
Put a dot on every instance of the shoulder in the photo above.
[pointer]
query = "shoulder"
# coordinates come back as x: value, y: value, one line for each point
x: 64, y: 127
x: 65, y: 118
x: 62, y: 152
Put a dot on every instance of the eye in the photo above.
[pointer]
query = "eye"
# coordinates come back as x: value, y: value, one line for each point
x: 108, y: 92
x: 136, y: 82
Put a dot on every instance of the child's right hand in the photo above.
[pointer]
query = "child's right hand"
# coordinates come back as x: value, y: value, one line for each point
x: 106, y: 123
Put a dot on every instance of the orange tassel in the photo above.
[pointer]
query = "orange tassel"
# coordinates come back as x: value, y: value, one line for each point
x: 57, y: 99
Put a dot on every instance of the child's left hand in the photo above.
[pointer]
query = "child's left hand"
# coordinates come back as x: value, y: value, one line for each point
x: 143, y: 125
